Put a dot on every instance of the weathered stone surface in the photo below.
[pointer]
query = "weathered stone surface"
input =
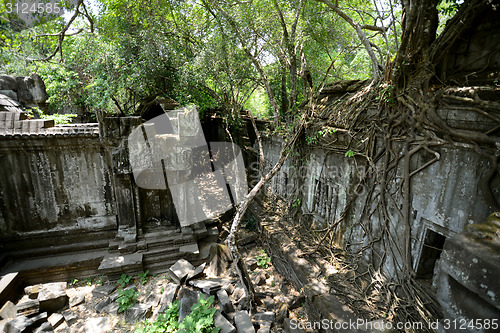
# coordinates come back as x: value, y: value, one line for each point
x: 187, y: 299
x: 103, y: 290
x: 28, y: 307
x: 55, y: 319
x: 209, y: 286
x: 180, y: 270
x: 32, y: 291
x: 251, y: 263
x: 137, y: 313
x: 189, y: 249
x: 44, y: 328
x: 127, y: 248
x: 19, y: 324
x: 264, y: 316
x: 8, y: 311
x: 69, y: 317
x: 243, y: 322
x: 153, y: 299
x: 268, y: 303
x: 52, y: 296
x: 265, y: 327
x: 112, y: 308
x: 76, y: 300
x: 114, y: 263
x: 281, y: 312
x: 197, y: 272
x: 168, y: 296
x: 260, y: 279
x: 225, y: 303
x: 97, y: 325
x: 252, y: 237
x: 102, y: 304
x: 224, y: 324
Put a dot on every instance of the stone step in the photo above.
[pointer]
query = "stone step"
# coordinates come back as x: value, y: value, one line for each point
x: 54, y: 250
x: 113, y: 264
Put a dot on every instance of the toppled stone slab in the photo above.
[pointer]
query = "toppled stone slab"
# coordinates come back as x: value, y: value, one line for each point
x: 69, y: 317
x: 187, y: 299
x: 168, y: 296
x: 252, y: 237
x: 76, y: 300
x: 55, y: 319
x: 137, y: 313
x: 224, y: 324
x: 180, y: 270
x: 44, y: 328
x: 19, y: 324
x: 197, y: 272
x: 32, y: 291
x: 102, y: 304
x: 104, y: 290
x: 264, y: 316
x: 113, y: 263
x: 97, y: 325
x: 209, y: 286
x: 225, y: 303
x: 8, y: 311
x: 111, y: 308
x: 52, y: 296
x: 243, y: 322
x: 28, y: 307
x: 153, y: 299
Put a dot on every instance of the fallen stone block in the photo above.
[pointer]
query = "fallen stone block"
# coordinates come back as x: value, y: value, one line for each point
x: 296, y: 302
x: 137, y: 313
x: 264, y: 316
x: 251, y: 263
x: 180, y: 270
x: 102, y: 304
x: 243, y: 322
x: 265, y: 327
x: 197, y: 272
x: 38, y: 319
x: 153, y: 299
x: 32, y: 291
x: 76, y: 300
x: 55, y: 319
x: 252, y: 237
x: 8, y: 311
x: 52, y: 296
x: 28, y: 307
x: 104, y: 290
x: 97, y: 325
x: 225, y: 303
x: 111, y: 308
x: 187, y: 299
x: 168, y: 296
x: 44, y: 328
x: 209, y: 286
x: 19, y: 324
x: 69, y: 317
x: 224, y: 324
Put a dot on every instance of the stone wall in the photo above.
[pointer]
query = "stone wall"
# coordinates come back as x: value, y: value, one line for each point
x: 445, y: 196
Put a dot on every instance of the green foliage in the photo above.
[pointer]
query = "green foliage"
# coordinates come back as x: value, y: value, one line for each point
x: 200, y: 320
x: 314, y: 139
x: 126, y: 299
x: 144, y: 277
x: 263, y: 260
x: 349, y: 153
x: 124, y: 280
x: 59, y: 119
x: 296, y: 203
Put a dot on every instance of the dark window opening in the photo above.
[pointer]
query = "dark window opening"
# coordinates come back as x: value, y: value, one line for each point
x: 433, y: 246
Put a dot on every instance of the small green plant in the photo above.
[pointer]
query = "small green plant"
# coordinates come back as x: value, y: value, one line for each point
x: 349, y: 153
x: 200, y: 320
x: 263, y: 260
x: 74, y: 282
x: 126, y: 299
x: 124, y: 280
x: 89, y: 280
x: 144, y: 277
x: 296, y: 203
x: 314, y: 139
